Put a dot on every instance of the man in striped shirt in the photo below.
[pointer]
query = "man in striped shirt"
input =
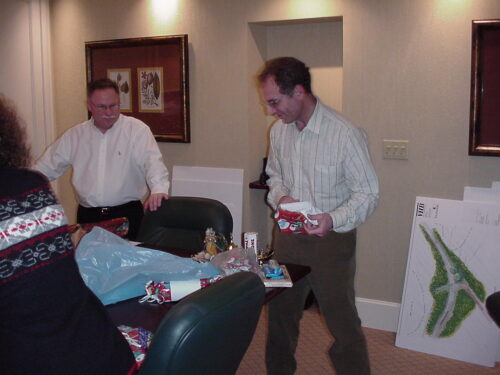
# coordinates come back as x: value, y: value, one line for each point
x: 316, y: 156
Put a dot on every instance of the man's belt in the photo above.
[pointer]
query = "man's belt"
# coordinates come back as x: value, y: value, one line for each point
x: 108, y: 210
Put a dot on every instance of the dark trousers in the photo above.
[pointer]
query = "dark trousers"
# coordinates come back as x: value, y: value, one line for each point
x: 133, y: 211
x: 333, y: 266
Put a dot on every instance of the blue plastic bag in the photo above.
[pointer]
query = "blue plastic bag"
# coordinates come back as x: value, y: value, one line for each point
x: 115, y: 270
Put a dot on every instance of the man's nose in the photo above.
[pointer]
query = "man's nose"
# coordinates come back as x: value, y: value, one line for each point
x: 271, y: 111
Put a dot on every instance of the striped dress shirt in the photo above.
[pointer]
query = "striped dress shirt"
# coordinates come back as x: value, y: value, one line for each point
x: 327, y: 164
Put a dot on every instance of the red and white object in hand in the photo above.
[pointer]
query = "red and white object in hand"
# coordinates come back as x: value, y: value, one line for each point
x: 291, y: 217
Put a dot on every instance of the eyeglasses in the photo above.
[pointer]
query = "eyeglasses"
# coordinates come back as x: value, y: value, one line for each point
x: 102, y: 107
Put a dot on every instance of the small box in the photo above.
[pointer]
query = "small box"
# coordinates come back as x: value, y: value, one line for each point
x: 250, y: 240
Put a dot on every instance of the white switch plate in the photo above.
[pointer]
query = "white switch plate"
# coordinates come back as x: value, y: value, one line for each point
x: 395, y: 149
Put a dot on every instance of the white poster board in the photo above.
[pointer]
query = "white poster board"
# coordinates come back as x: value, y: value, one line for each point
x: 453, y: 265
x: 481, y: 194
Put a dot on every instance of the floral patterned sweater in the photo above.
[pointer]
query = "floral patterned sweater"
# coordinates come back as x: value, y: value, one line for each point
x: 50, y: 322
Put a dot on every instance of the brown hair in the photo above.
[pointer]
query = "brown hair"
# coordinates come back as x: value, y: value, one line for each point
x: 101, y: 84
x: 14, y: 152
x: 287, y: 72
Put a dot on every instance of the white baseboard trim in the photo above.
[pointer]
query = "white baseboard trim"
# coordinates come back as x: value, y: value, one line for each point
x: 378, y: 314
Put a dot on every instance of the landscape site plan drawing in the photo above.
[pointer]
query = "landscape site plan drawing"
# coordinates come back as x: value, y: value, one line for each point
x: 452, y: 267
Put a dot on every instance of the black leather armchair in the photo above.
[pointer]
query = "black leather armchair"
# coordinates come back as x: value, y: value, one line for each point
x: 209, y: 331
x: 180, y: 222
x: 493, y: 307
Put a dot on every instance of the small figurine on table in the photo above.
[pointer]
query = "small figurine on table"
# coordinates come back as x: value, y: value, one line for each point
x: 210, y: 242
x: 214, y: 243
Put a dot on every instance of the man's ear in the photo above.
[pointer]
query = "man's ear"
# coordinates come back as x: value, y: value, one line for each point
x: 298, y: 91
x: 88, y: 105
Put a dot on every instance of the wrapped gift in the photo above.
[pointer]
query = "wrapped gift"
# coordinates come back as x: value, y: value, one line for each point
x: 291, y: 217
x: 169, y: 291
x: 138, y: 339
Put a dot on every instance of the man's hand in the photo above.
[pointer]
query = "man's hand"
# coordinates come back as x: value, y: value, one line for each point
x: 325, y: 224
x: 154, y: 201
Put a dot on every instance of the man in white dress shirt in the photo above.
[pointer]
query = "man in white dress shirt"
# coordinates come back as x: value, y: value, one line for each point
x: 115, y: 159
x: 316, y: 156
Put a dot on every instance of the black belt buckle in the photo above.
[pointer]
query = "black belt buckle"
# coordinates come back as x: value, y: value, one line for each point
x: 105, y: 210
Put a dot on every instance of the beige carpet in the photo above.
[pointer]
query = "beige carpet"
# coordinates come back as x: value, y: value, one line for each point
x: 386, y: 359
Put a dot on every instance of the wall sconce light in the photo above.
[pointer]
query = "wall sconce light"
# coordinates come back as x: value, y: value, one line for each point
x: 164, y: 9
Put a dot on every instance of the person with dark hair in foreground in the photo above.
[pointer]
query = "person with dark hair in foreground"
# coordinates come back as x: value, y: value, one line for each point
x: 316, y: 156
x: 115, y: 158
x: 50, y: 322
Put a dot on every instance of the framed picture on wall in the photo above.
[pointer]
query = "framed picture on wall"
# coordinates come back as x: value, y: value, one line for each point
x: 152, y: 77
x: 122, y: 79
x: 484, y: 130
x: 150, y: 81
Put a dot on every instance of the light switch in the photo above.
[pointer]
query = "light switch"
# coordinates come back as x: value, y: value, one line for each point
x: 395, y: 149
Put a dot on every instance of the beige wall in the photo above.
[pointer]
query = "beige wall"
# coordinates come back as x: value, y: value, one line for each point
x: 406, y: 75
